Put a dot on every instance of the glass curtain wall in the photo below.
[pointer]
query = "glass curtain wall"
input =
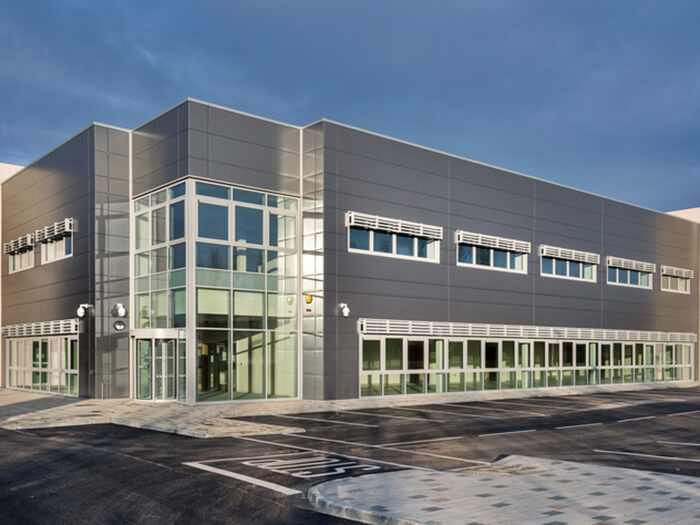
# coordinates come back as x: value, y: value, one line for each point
x: 47, y: 364
x: 415, y: 365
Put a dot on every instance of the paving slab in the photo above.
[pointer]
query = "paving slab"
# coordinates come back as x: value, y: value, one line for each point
x: 515, y: 489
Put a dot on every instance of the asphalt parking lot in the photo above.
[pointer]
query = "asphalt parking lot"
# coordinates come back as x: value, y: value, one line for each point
x: 109, y: 474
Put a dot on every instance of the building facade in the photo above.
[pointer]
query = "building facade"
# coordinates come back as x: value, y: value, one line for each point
x: 220, y: 256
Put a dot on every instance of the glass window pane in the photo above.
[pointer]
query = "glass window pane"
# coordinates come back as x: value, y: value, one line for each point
x: 370, y: 355
x: 574, y: 269
x: 177, y: 220
x: 553, y: 354
x: 394, y: 354
x: 158, y: 198
x: 212, y: 365
x: 622, y: 276
x: 248, y: 259
x: 252, y: 197
x: 644, y: 279
x: 465, y: 253
x: 177, y: 191
x: 281, y: 264
x: 634, y: 277
x: 249, y: 365
x: 473, y: 354
x: 178, y: 308
x: 285, y: 203
x: 159, y: 281
x: 143, y: 311
x: 560, y: 267
x: 249, y: 225
x: 405, y: 245
x: 212, y: 256
x: 141, y: 205
x: 416, y: 355
x: 69, y: 244
x: 247, y: 280
x: 483, y: 256
x: 159, y: 260
x: 500, y: 259
x: 141, y: 263
x: 248, y: 310
x: 612, y: 275
x: 213, y: 308
x: 359, y: 238
x: 159, y: 307
x: 436, y: 353
x: 142, y: 231
x: 547, y: 265
x: 517, y: 261
x: 158, y: 226
x: 281, y: 365
x: 212, y: 221
x: 212, y: 190
x: 178, y: 256
x: 427, y: 248
x: 508, y: 354
x: 490, y: 355
x: 281, y: 311
x: 588, y: 271
x: 283, y: 231
x: 214, y: 278
x: 383, y: 242
x: 177, y: 278
x: 455, y: 359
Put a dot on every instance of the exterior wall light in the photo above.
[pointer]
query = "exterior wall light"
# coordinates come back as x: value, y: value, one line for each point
x: 82, y: 310
x: 344, y: 310
x: 119, y: 310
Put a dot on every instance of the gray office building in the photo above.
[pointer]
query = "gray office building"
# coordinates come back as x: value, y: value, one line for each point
x: 213, y: 256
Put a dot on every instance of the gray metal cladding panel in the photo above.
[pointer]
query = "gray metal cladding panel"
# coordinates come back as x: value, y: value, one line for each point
x: 464, y: 194
x: 254, y: 156
x: 567, y: 287
x: 570, y: 237
x: 555, y: 194
x: 489, y: 177
x: 478, y: 312
x: 546, y: 316
x: 388, y: 176
x: 562, y: 214
x: 490, y: 221
x: 384, y: 150
x: 249, y: 177
x: 385, y: 268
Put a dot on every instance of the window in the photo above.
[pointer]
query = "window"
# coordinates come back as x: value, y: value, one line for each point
x: 494, y: 253
x: 563, y: 263
x: 627, y: 272
x: 393, y: 237
x: 676, y: 280
x: 22, y: 260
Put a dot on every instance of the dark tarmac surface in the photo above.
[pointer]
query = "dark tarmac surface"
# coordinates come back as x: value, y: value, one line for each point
x: 113, y: 474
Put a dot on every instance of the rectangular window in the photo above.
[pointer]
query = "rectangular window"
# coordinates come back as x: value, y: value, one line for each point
x: 213, y: 256
x: 212, y: 190
x: 480, y: 256
x: 564, y: 263
x: 676, y: 280
x: 213, y: 308
x: 56, y: 249
x: 158, y: 226
x: 627, y: 272
x: 177, y: 220
x: 249, y: 225
x: 212, y: 221
x: 392, y: 237
x: 23, y: 260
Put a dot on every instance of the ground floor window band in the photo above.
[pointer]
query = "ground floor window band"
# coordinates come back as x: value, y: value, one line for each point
x: 46, y: 364
x: 398, y: 364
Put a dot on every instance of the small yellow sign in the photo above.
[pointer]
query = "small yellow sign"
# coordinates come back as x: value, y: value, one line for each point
x: 308, y: 299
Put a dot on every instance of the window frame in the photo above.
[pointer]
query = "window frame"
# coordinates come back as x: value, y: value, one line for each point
x: 44, y: 249
x: 568, y: 277
x: 628, y: 284
x: 393, y: 254
x: 474, y: 264
x: 671, y: 290
x: 13, y: 257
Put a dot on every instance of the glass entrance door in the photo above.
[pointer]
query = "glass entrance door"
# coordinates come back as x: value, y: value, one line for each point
x: 160, y: 369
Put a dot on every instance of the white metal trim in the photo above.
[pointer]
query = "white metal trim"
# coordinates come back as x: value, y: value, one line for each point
x: 571, y: 255
x: 59, y: 327
x: 54, y: 231
x: 451, y: 329
x: 17, y: 245
x: 631, y: 264
x: 677, y: 272
x: 377, y: 222
x: 492, y: 241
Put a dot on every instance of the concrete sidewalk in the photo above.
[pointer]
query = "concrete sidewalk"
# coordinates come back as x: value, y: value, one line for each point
x: 25, y: 410
x: 517, y: 489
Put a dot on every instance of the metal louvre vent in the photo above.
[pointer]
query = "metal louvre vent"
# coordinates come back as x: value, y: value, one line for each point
x: 25, y: 242
x: 630, y: 264
x: 491, y: 241
x: 375, y: 222
x: 677, y: 272
x: 54, y: 231
x: 571, y: 255
x: 430, y: 328
x: 60, y: 327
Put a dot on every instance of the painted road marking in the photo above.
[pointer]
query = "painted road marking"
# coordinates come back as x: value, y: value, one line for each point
x: 329, y: 421
x: 510, y: 432
x: 420, y: 441
x: 405, y: 451
x: 679, y: 443
x: 308, y: 468
x: 252, y: 457
x: 298, y: 447
x: 670, y: 458
x: 246, y: 479
x: 683, y: 413
x: 389, y: 416
x: 492, y: 408
x: 444, y: 412
x: 635, y: 419
x: 579, y: 426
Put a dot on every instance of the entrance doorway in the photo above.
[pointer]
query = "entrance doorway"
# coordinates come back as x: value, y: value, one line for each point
x: 160, y: 366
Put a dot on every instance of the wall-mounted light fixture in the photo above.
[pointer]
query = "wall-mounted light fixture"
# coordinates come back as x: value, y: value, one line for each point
x: 82, y: 310
x: 344, y: 310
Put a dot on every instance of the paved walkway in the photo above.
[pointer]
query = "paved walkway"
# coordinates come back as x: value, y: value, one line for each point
x: 24, y: 410
x: 517, y: 489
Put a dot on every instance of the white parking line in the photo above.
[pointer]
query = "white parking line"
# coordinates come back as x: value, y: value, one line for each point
x: 469, y: 406
x: 389, y: 416
x: 251, y: 457
x: 635, y: 419
x: 420, y: 441
x: 683, y: 413
x: 670, y: 458
x: 679, y: 443
x: 247, y: 479
x: 329, y: 421
x: 444, y: 412
x: 510, y: 432
x: 579, y: 426
x: 383, y: 447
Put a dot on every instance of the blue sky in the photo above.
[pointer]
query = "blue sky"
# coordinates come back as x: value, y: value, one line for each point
x: 603, y: 96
